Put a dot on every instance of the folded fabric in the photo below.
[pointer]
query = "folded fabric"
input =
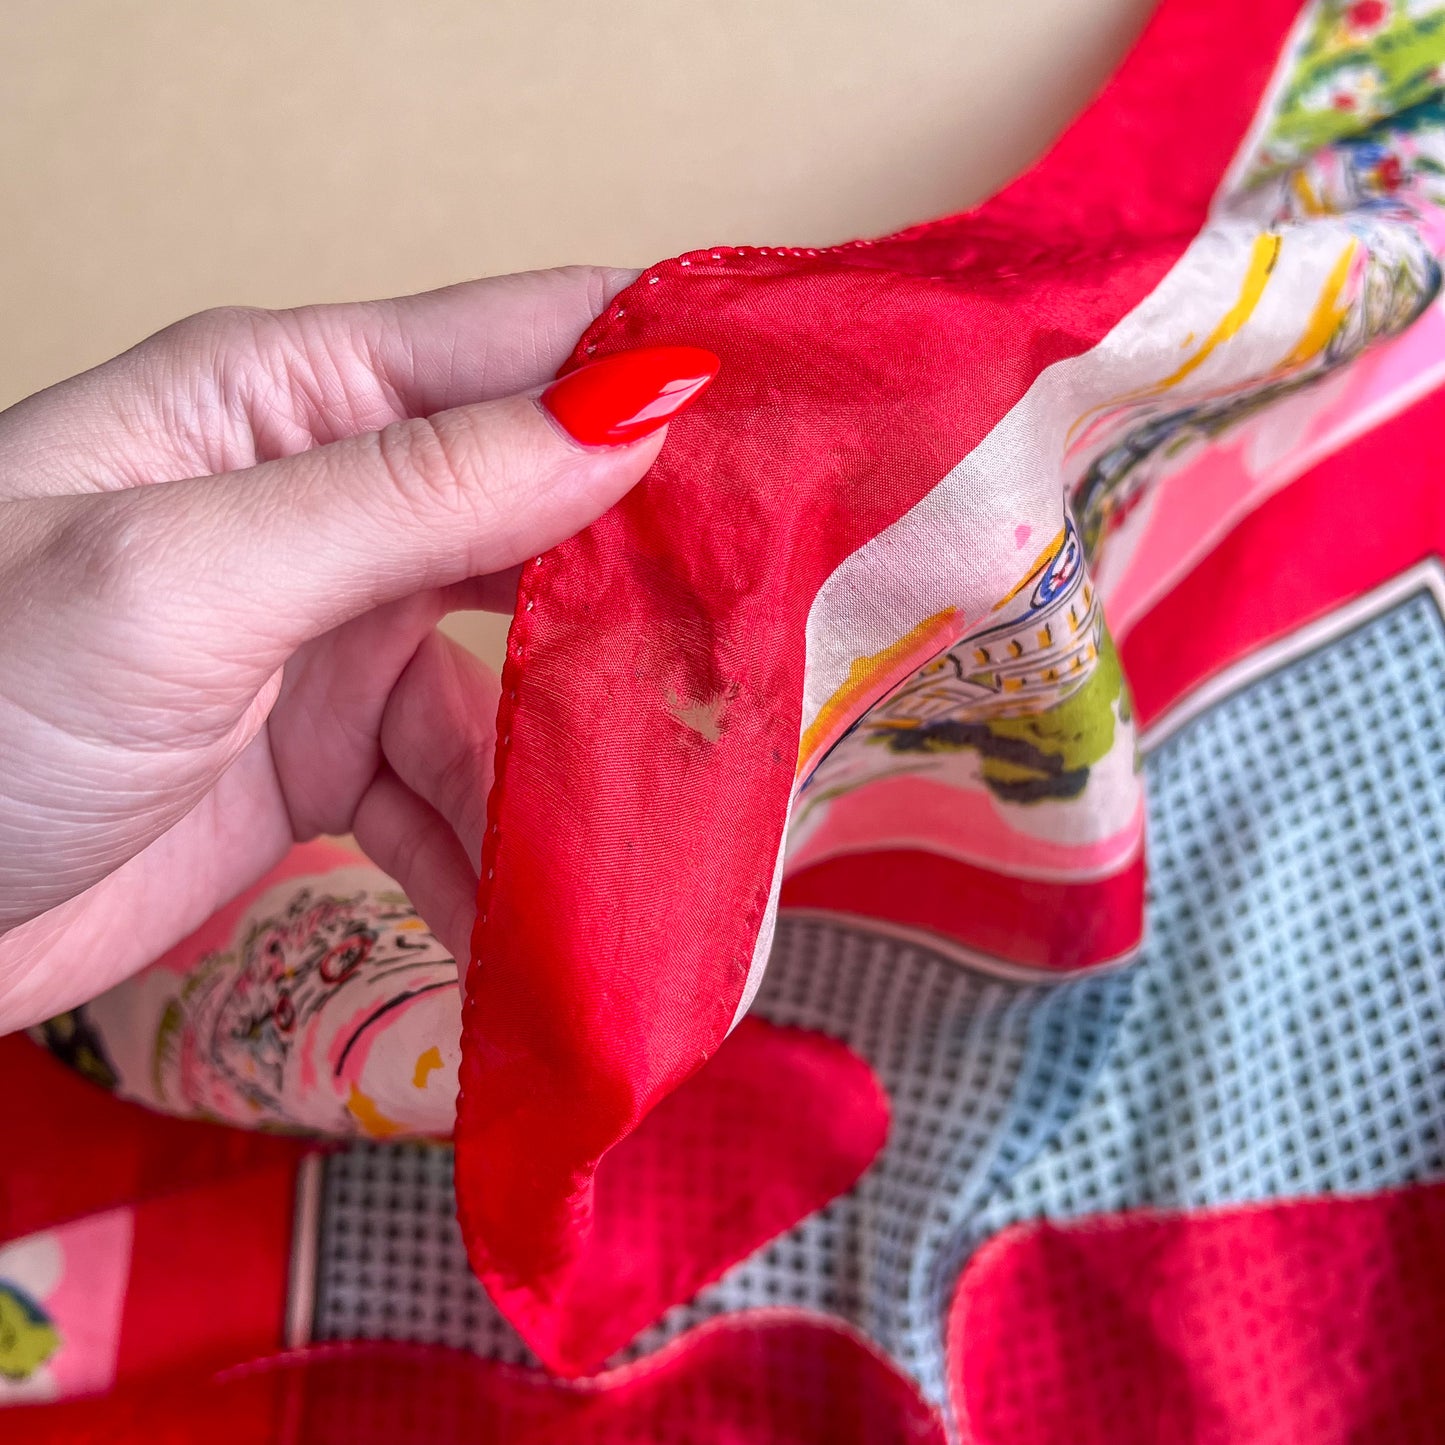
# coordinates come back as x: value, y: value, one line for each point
x: 1321, y: 1320
x: 844, y: 649
x: 844, y: 653
x: 768, y: 1379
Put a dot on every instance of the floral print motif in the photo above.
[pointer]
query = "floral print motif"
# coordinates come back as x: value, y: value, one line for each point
x: 1356, y: 62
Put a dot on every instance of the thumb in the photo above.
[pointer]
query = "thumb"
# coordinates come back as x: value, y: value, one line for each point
x: 287, y: 550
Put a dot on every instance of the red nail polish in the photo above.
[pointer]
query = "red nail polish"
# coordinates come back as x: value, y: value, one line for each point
x: 625, y: 397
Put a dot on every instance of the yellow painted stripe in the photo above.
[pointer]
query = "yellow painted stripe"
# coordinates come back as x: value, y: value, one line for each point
x: 426, y: 1065
x: 1261, y: 263
x: 1305, y: 193
x: 864, y: 674
x: 1328, y: 312
x: 374, y: 1124
x: 1263, y: 256
x: 1037, y: 566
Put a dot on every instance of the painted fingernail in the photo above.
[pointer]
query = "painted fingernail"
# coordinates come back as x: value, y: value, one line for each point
x: 629, y: 395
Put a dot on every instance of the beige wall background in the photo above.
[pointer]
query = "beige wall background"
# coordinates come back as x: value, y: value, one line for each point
x: 161, y: 156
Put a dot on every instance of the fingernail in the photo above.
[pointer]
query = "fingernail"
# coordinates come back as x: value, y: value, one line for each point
x: 629, y: 395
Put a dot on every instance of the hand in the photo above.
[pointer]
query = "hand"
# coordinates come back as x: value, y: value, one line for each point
x: 223, y: 557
